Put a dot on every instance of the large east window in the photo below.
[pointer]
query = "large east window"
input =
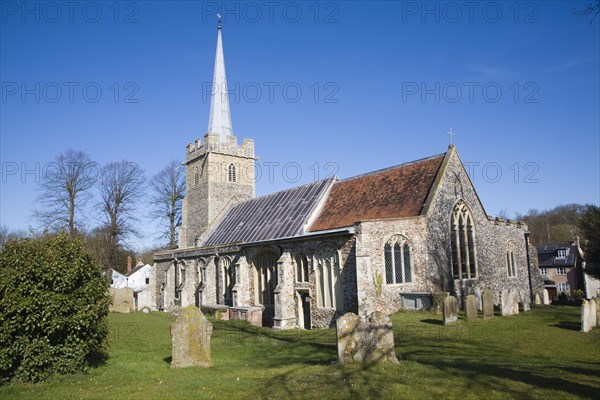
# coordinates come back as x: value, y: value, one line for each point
x: 462, y: 234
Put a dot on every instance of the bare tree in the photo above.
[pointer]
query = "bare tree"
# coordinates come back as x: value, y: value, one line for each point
x: 592, y: 9
x: 65, y: 190
x: 121, y: 188
x: 168, y: 191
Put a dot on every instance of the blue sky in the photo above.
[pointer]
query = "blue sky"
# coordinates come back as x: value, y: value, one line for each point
x: 329, y: 87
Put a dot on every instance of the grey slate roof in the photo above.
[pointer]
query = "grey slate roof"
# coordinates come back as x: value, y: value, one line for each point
x: 547, y: 255
x: 274, y: 216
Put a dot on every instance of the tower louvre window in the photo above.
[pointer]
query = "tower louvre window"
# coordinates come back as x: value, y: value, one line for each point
x: 232, y: 177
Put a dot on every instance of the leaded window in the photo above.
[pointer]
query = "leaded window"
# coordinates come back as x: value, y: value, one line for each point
x: 462, y: 236
x: 330, y: 293
x: 397, y: 260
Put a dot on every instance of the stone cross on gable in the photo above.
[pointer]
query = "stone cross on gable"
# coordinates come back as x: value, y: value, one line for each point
x: 451, y: 133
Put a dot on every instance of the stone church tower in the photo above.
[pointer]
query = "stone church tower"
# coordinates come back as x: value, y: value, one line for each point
x: 219, y: 172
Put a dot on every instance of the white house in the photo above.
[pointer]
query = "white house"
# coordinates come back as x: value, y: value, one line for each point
x: 139, y: 277
x: 117, y: 279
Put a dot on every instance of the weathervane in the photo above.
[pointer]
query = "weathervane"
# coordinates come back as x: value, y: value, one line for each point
x: 451, y: 133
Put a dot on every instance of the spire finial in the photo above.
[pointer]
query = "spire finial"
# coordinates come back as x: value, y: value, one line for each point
x: 451, y: 133
x: 219, y: 121
x: 219, y: 19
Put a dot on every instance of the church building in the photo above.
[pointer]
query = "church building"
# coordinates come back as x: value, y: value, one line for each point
x: 382, y: 241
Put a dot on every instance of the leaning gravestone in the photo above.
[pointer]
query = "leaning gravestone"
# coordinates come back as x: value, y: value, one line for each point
x: 471, y: 307
x: 525, y: 300
x: 509, y: 303
x: 589, y: 315
x: 450, y: 310
x: 488, y: 304
x: 191, y: 334
x: 366, y: 340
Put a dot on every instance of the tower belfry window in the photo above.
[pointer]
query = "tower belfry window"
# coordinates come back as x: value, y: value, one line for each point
x: 232, y: 177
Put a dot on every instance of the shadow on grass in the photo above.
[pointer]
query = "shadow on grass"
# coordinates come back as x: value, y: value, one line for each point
x: 97, y: 359
x: 571, y: 326
x: 433, y: 321
x: 168, y: 360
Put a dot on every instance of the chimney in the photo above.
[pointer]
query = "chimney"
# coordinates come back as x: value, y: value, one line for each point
x: 128, y: 264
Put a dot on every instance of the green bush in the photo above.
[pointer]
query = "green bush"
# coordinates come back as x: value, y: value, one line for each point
x: 437, y: 301
x: 53, y: 307
x: 577, y: 294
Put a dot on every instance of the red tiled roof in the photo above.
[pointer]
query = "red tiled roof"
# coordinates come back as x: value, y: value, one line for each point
x: 396, y: 192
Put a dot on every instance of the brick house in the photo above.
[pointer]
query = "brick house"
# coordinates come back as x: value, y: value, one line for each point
x: 561, y: 266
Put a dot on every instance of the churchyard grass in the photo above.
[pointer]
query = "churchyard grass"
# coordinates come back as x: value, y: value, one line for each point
x: 534, y: 355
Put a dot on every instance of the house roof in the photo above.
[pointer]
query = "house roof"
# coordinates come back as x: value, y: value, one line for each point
x: 136, y: 269
x: 274, y: 216
x: 547, y: 255
x: 395, y: 192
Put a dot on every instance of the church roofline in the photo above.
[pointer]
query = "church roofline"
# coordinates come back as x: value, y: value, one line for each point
x: 392, y: 167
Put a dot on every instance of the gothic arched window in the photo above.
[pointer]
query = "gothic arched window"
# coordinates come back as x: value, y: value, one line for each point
x: 228, y: 279
x: 265, y: 280
x: 301, y: 269
x: 462, y: 233
x: 196, y: 177
x: 510, y: 260
x: 398, y: 266
x: 330, y: 292
x: 231, y: 173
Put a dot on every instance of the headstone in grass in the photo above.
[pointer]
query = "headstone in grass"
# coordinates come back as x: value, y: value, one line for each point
x: 488, y: 304
x: 450, y: 310
x: 509, y: 303
x: 588, y: 315
x: 546, y: 297
x: 471, y: 307
x: 191, y: 334
x: 597, y: 300
x: 366, y: 340
x: 537, y: 298
x: 122, y: 300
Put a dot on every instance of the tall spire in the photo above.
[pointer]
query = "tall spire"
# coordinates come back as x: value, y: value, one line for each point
x: 220, y: 117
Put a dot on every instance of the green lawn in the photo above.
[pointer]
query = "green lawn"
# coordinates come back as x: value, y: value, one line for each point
x: 539, y: 354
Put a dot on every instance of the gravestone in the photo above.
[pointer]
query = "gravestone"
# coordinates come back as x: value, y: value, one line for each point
x: 450, y: 311
x: 254, y: 316
x: 367, y: 340
x: 190, y: 335
x: 471, y: 307
x: 597, y: 300
x: 525, y: 300
x: 588, y: 315
x: 122, y: 300
x: 488, y: 304
x: 545, y: 297
x: 537, y: 298
x: 144, y: 300
x: 509, y: 303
